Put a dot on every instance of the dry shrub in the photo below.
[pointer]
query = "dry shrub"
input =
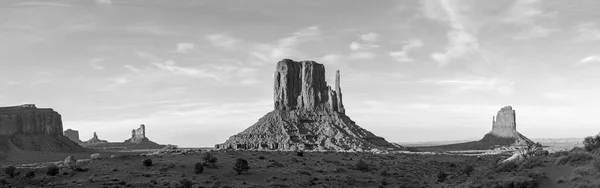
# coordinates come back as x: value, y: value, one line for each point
x: 575, y: 158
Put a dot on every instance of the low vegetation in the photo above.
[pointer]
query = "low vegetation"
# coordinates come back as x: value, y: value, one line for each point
x: 10, y: 171
x: 52, y: 170
x: 241, y: 165
x: 591, y: 143
x: 147, y: 162
x: 198, y: 168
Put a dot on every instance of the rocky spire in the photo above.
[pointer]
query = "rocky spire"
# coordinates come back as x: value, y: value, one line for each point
x: 302, y: 86
x: 506, y: 119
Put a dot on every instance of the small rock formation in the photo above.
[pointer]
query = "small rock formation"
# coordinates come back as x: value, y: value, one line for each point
x: 95, y: 140
x: 73, y: 135
x: 27, y: 127
x: 504, y: 127
x: 503, y: 135
x: 138, y: 136
x: 308, y: 114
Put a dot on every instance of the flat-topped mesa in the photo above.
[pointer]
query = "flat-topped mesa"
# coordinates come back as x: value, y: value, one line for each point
x: 28, y: 119
x: 302, y: 86
x: 73, y: 135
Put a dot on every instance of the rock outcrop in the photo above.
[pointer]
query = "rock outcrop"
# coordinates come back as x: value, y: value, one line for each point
x: 504, y: 127
x: 138, y: 136
x: 95, y: 140
x: 73, y: 135
x: 27, y: 127
x: 308, y: 114
x: 504, y: 135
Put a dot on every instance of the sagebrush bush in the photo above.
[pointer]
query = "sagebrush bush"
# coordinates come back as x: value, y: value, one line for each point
x: 441, y: 176
x: 597, y: 164
x: 52, y: 170
x: 591, y: 143
x: 147, y: 162
x: 209, y: 158
x: 532, y: 162
x: 198, y: 168
x: 10, y: 171
x: 185, y: 183
x: 362, y: 166
x: 467, y: 170
x: 30, y: 174
x: 508, y: 166
x: 300, y: 153
x: 575, y: 158
x: 241, y: 165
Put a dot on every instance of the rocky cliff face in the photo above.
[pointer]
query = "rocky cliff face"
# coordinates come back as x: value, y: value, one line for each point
x: 27, y: 119
x: 72, y: 135
x: 308, y: 115
x: 302, y: 86
x: 504, y: 126
x: 27, y: 127
x: 138, y: 136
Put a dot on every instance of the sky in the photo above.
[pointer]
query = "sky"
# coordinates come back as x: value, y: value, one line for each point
x: 196, y: 72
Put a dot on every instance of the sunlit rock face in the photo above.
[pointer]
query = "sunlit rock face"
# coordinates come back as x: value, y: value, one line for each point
x: 504, y: 127
x: 27, y: 127
x: 308, y: 115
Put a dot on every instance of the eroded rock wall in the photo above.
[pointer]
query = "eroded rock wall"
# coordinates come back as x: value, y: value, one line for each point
x: 27, y: 119
x: 138, y: 135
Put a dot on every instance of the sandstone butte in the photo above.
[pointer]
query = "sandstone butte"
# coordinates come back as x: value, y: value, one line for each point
x: 308, y: 115
x: 27, y: 127
x: 73, y: 135
x: 504, y: 134
x: 138, y: 136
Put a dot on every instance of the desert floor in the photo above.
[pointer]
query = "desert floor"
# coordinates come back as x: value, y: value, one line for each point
x: 287, y: 169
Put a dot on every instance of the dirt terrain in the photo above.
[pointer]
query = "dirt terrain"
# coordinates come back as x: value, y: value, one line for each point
x: 176, y: 168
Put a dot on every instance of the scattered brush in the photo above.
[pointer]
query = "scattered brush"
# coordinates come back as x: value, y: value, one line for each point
x: 52, y: 170
x: 10, y: 171
x: 147, y: 162
x: 241, y: 165
x: 198, y: 168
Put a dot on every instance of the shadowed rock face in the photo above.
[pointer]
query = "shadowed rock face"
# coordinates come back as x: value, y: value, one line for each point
x: 27, y: 119
x: 27, y: 127
x: 73, y: 135
x: 308, y: 115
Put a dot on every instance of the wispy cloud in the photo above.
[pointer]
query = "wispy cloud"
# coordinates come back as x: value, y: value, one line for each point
x: 587, y: 60
x: 362, y: 55
x: 474, y: 83
x: 104, y: 2
x: 587, y: 32
x: 370, y: 37
x: 132, y: 68
x: 286, y: 47
x: 222, y: 40
x: 402, y: 56
x: 40, y: 3
x: 360, y: 46
x: 171, y: 66
x: 185, y: 47
x: 95, y: 63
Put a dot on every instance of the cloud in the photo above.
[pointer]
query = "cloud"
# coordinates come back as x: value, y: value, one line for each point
x: 587, y: 60
x: 171, y: 66
x: 95, y: 63
x: 533, y: 32
x: 362, y: 55
x: 370, y: 37
x: 222, y: 40
x: 587, y: 32
x: 34, y: 3
x: 331, y: 58
x: 185, y: 47
x: 104, y: 2
x: 461, y: 42
x: 402, y: 56
x: 358, y: 46
x: 150, y: 28
x: 132, y: 68
x: 286, y: 47
x: 474, y: 83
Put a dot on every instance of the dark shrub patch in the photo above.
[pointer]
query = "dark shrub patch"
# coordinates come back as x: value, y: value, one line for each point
x: 575, y: 158
x: 532, y: 162
x: 467, y: 170
x: 52, y: 170
x: 441, y: 176
x: 591, y: 143
x: 241, y: 165
x: 198, y: 168
x: 147, y: 162
x: 507, y: 167
x: 10, y: 171
x: 185, y: 183
x: 300, y: 153
x: 362, y: 166
x: 261, y: 157
x: 209, y: 158
x: 30, y: 174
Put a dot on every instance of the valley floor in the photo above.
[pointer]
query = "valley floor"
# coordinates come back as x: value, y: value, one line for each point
x: 319, y: 169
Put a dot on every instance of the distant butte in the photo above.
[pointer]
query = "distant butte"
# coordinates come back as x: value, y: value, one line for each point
x: 308, y: 114
x: 27, y: 127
